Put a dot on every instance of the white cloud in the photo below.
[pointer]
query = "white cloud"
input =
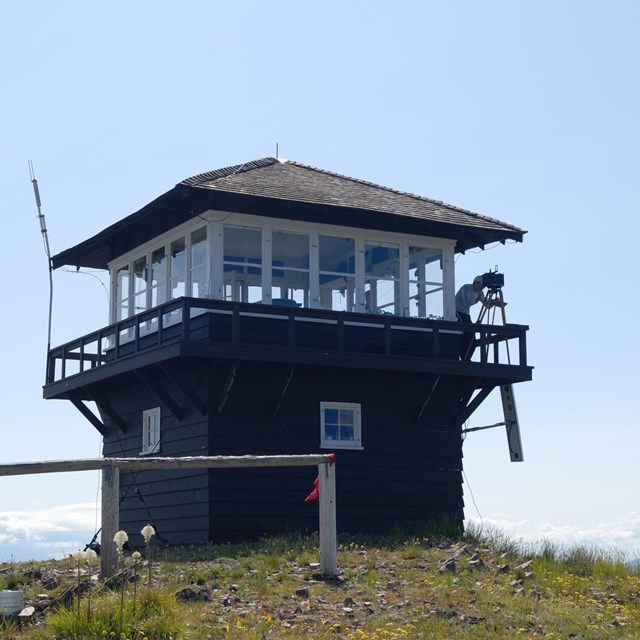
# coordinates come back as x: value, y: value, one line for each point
x: 620, y: 535
x: 40, y: 534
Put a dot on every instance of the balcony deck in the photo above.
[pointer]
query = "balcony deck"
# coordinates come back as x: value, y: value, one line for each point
x: 200, y: 328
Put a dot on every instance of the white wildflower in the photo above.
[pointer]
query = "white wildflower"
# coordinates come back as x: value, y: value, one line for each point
x: 136, y: 555
x: 147, y: 533
x: 120, y: 538
x: 90, y: 555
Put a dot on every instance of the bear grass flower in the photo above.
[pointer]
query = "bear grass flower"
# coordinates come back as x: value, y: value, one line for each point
x: 147, y: 533
x: 120, y: 538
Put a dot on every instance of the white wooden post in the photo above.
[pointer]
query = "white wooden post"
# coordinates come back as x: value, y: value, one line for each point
x: 110, y: 519
x: 328, y: 531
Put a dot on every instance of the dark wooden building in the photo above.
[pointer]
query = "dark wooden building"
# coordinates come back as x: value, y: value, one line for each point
x: 275, y: 308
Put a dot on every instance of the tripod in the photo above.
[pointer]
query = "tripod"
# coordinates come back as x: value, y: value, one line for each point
x: 493, y: 299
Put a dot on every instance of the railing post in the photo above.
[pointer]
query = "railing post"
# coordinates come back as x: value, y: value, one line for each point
x: 328, y: 530
x: 110, y: 519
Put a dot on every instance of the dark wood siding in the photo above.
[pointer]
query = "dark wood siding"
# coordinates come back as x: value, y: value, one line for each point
x: 176, y: 502
x: 408, y: 472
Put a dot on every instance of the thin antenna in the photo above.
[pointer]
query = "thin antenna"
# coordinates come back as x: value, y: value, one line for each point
x: 45, y: 237
x: 276, y: 150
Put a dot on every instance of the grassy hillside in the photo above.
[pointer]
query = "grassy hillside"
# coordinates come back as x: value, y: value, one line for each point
x: 391, y: 588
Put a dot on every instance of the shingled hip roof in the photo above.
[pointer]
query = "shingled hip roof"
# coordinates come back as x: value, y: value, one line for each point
x: 283, y: 188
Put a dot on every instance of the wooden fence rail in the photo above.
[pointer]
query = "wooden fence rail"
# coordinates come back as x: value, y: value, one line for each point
x: 111, y: 491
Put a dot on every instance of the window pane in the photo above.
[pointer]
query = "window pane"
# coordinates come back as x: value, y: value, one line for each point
x: 425, y: 283
x: 122, y: 293
x: 346, y: 416
x: 290, y: 268
x: 178, y: 266
x: 331, y: 416
x: 346, y: 432
x: 199, y: 269
x: 331, y: 432
x: 382, y: 279
x: 158, y: 276
x: 337, y: 262
x: 242, y: 264
x: 140, y: 285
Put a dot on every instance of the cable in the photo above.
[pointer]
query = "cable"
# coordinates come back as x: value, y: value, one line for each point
x: 93, y: 275
x: 464, y: 475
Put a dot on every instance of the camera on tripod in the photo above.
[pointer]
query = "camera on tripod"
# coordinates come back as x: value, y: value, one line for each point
x: 493, y: 280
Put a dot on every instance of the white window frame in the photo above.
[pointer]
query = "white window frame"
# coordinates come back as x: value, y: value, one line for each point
x: 356, y: 443
x: 151, y: 421
x: 216, y: 220
x: 146, y: 251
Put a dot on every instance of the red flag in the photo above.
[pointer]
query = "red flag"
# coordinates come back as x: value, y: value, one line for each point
x: 316, y: 483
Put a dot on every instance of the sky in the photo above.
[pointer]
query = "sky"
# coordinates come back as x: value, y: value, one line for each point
x: 525, y: 112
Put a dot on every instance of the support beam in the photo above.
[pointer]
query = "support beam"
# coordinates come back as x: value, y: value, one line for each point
x: 105, y: 406
x: 231, y: 378
x: 110, y: 519
x: 466, y: 412
x: 187, y: 389
x: 328, y: 529
x: 156, y: 388
x: 89, y: 415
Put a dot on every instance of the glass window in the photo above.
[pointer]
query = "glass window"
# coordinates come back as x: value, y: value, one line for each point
x: 151, y: 431
x: 158, y: 276
x: 122, y: 293
x: 382, y: 279
x: 426, y: 279
x: 242, y: 264
x: 199, y: 263
x: 340, y: 425
x: 290, y: 269
x: 139, y: 285
x: 178, y: 268
x: 337, y: 270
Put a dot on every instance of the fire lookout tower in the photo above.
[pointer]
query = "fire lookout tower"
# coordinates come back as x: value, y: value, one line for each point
x: 275, y: 308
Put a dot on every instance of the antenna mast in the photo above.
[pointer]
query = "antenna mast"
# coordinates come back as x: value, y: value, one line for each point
x: 45, y: 237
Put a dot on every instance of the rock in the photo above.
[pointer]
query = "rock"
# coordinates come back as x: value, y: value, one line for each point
x: 348, y: 602
x: 233, y: 587
x: 194, y: 594
x: 503, y: 569
x: 302, y: 592
x: 524, y: 565
x: 448, y: 565
x: 476, y: 563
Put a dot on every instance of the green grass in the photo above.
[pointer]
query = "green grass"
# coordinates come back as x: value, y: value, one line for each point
x: 389, y: 588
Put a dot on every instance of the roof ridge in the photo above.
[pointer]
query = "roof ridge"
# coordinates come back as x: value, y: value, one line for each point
x: 227, y: 172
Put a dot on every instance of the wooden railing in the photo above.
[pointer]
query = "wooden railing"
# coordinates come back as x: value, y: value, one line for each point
x: 197, y: 319
x: 111, y: 491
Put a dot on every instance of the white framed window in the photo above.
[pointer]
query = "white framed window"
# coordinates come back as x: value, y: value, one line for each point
x: 340, y: 425
x: 150, y: 431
